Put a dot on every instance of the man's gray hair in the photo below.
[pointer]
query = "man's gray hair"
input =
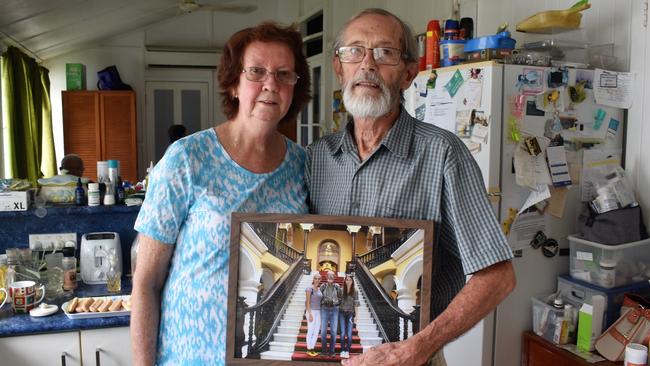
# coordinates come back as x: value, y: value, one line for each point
x: 407, y: 42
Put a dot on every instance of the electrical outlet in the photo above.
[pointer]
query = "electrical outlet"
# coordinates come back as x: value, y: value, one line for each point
x: 51, y: 241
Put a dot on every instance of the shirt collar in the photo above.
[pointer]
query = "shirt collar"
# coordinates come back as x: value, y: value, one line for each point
x: 397, y: 140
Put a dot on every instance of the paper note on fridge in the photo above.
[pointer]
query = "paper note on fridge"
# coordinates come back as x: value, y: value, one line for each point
x: 558, y: 166
x: 536, y: 196
x: 440, y: 110
x: 613, y: 89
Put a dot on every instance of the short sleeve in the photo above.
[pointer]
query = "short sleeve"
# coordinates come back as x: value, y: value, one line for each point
x: 471, y: 220
x: 168, y: 197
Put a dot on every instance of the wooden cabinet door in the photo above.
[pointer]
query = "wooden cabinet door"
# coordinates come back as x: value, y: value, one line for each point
x: 119, y: 131
x: 81, y: 128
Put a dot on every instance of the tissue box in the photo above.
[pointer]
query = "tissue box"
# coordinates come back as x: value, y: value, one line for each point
x: 14, y: 201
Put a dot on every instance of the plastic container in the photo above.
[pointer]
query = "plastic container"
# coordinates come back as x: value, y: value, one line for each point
x: 553, y: 21
x: 577, y: 292
x: 113, y: 170
x: 547, y: 318
x: 632, y: 262
x: 102, y: 172
x: 452, y: 52
x: 93, y: 194
x: 497, y: 41
x: 636, y: 355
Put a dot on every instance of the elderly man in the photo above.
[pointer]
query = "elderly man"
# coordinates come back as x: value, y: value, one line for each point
x: 73, y: 164
x: 386, y: 163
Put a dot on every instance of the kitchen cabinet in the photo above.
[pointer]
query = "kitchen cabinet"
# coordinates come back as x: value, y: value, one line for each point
x: 42, y: 349
x: 101, y: 125
x: 539, y: 352
x: 106, y: 346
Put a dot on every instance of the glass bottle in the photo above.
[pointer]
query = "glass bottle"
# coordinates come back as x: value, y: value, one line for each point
x: 79, y: 194
x: 113, y: 276
x: 69, y: 273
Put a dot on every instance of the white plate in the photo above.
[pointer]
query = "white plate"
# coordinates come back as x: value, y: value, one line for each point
x: 92, y: 315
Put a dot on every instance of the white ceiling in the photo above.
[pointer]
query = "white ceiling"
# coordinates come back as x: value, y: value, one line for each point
x: 48, y: 28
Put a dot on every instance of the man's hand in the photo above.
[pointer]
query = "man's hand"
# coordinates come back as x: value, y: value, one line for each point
x: 408, y: 352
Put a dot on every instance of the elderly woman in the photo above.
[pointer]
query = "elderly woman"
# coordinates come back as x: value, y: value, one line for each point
x: 244, y: 164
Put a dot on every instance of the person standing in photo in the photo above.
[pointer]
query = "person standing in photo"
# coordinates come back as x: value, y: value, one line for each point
x: 329, y: 312
x: 312, y: 304
x: 347, y: 314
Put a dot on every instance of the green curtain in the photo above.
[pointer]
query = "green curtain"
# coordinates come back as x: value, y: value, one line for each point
x: 27, y: 118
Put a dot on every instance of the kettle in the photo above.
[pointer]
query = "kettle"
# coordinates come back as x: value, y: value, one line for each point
x: 94, y: 253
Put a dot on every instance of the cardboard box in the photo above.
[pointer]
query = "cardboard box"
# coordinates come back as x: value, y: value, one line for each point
x: 14, y: 201
x: 75, y: 77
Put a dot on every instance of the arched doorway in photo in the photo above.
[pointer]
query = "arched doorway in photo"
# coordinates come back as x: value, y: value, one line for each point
x: 329, y: 253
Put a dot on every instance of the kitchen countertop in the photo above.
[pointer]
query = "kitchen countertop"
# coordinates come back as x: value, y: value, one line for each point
x: 12, y: 324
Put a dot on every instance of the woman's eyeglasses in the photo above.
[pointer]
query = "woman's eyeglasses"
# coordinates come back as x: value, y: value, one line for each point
x: 260, y: 74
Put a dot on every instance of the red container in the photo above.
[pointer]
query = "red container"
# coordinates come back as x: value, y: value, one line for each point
x: 432, y: 51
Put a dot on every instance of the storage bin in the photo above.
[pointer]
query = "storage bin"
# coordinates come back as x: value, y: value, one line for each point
x: 609, y: 265
x: 547, y: 320
x: 578, y: 292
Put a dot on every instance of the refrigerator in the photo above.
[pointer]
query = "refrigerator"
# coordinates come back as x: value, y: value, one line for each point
x: 489, y: 105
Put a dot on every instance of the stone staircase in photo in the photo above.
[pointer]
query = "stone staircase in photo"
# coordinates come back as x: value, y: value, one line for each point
x: 289, y: 341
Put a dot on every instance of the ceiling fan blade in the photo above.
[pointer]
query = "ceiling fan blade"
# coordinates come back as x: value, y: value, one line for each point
x: 230, y: 8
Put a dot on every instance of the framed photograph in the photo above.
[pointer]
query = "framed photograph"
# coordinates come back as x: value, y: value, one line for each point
x: 375, y: 279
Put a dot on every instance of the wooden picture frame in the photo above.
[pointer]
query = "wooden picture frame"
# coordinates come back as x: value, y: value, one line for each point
x: 268, y: 281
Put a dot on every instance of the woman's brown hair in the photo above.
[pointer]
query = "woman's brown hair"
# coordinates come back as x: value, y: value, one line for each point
x: 230, y: 67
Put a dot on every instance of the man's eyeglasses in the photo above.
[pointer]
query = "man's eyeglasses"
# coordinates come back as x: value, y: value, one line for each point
x: 381, y: 55
x: 259, y: 74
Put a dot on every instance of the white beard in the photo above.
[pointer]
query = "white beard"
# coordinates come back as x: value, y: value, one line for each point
x: 367, y: 106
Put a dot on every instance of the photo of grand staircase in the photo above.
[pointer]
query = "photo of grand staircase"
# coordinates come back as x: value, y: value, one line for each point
x: 289, y: 342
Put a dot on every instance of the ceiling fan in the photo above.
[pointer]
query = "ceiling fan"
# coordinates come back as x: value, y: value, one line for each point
x: 191, y: 6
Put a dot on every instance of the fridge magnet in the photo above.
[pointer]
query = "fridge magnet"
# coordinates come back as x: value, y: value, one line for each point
x: 586, y: 77
x: 475, y: 74
x: 276, y: 259
x: 531, y: 81
x: 454, y: 83
x: 558, y: 77
x: 431, y: 82
x: 479, y: 117
x: 531, y: 109
x: 532, y: 146
x: 518, y: 105
x: 550, y: 101
x: 577, y: 92
x: 612, y: 128
x: 515, y: 132
x: 598, y: 118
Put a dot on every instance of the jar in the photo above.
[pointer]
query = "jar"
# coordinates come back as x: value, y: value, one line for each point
x: 607, y: 271
x: 69, y: 273
x: 93, y: 194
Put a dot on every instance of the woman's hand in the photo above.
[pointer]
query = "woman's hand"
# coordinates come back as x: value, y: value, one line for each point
x: 311, y: 317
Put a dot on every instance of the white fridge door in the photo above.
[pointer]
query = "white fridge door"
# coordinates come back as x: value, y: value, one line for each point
x: 536, y: 274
